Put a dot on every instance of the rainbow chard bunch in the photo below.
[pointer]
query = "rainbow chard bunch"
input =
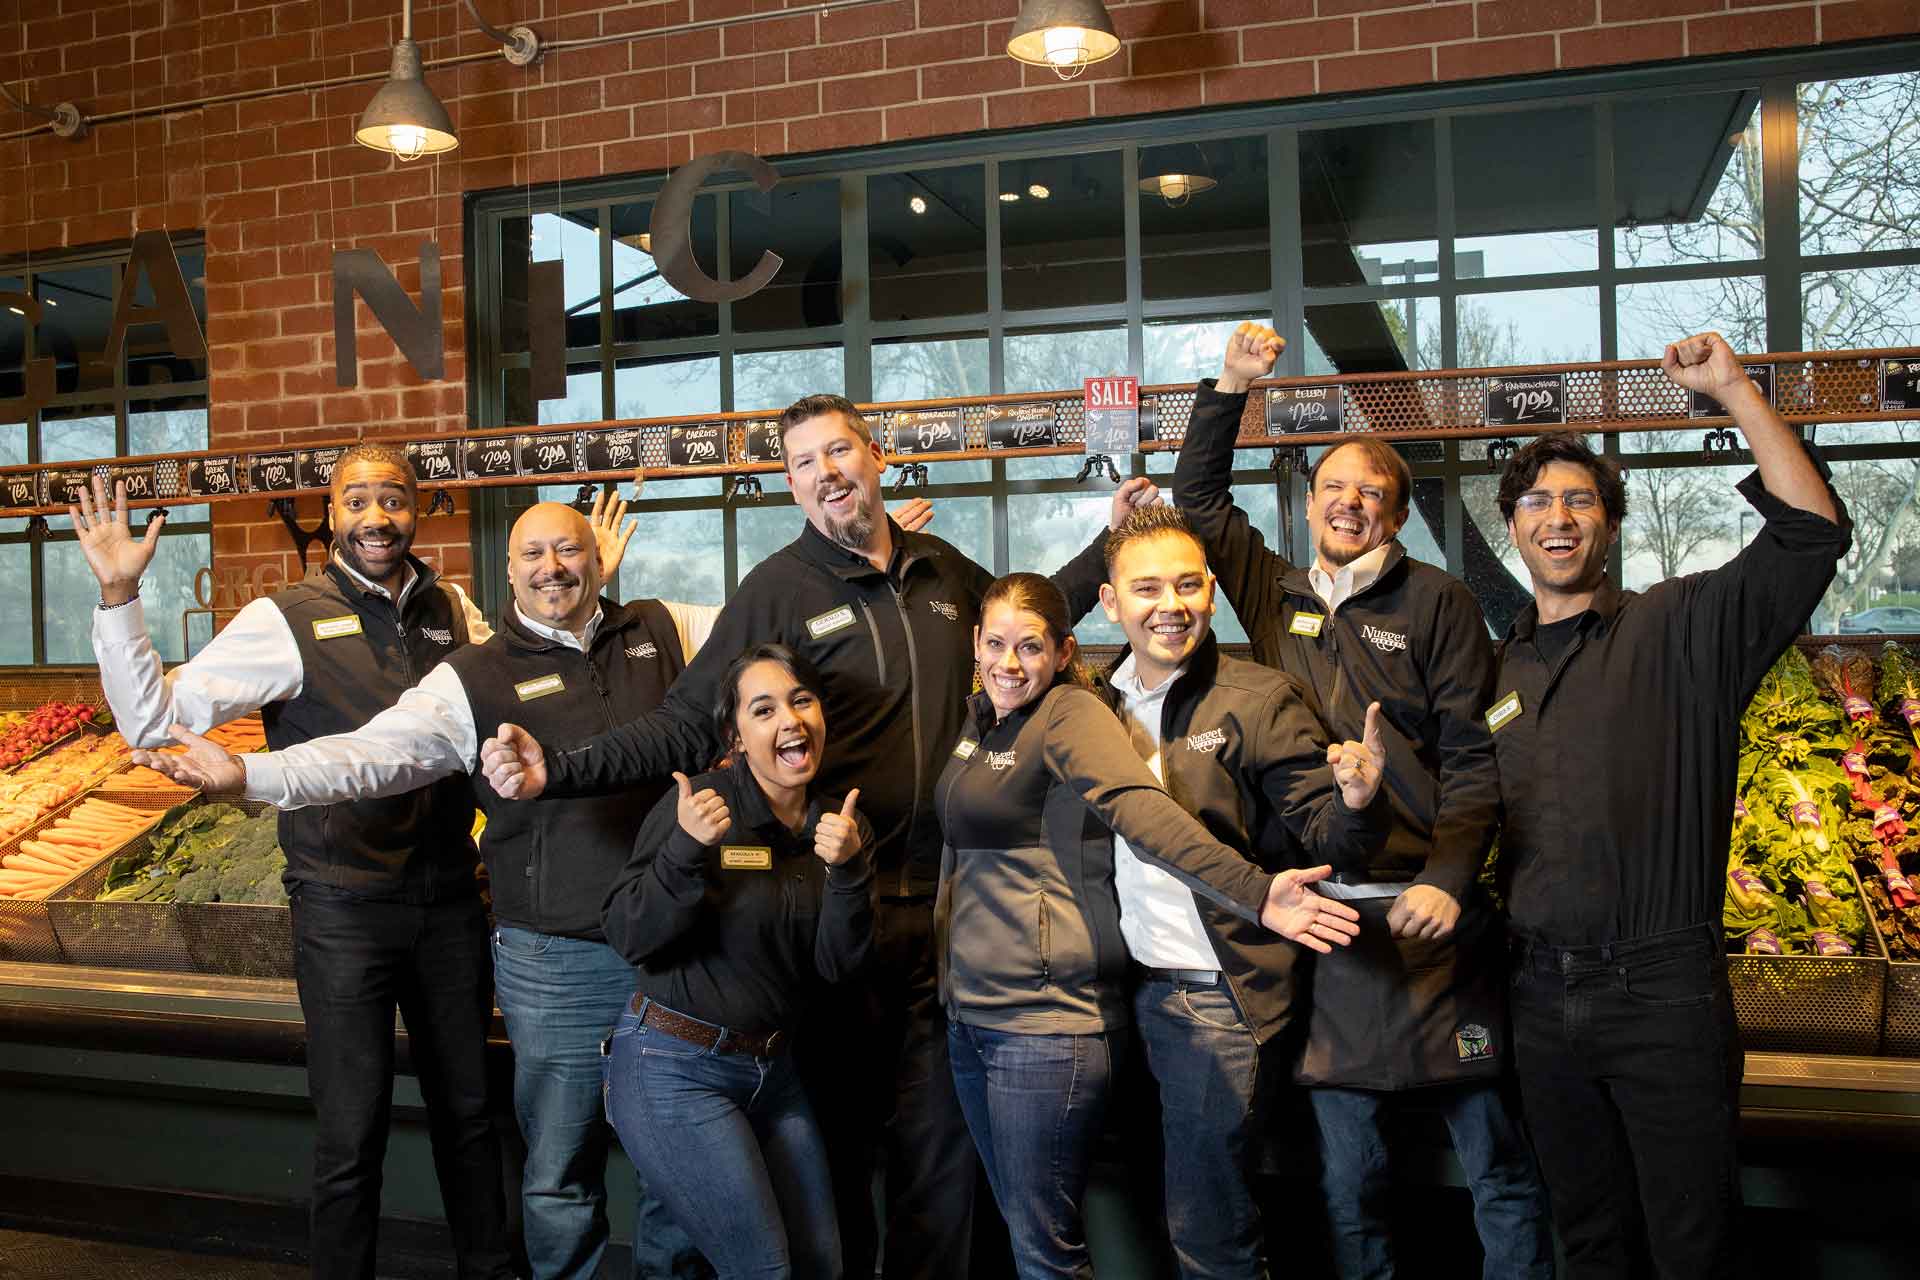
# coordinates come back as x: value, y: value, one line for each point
x: 1900, y: 688
x: 1788, y: 707
x: 1849, y: 679
x: 1809, y: 801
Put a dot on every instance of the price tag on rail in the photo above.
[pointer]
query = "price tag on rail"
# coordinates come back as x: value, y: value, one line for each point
x: 1531, y: 400
x: 546, y: 455
x: 272, y: 473
x: 433, y: 460
x: 1293, y: 410
x: 704, y: 445
x: 929, y: 431
x: 763, y: 442
x: 1900, y: 384
x: 210, y: 477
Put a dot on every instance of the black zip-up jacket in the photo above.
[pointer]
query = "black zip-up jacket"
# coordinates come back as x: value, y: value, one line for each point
x: 1414, y: 641
x: 742, y: 933
x: 358, y: 654
x: 1619, y: 762
x: 550, y: 861
x: 1027, y: 927
x: 895, y: 651
x: 1242, y: 751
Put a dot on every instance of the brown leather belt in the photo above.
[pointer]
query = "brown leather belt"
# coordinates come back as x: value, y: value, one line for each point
x: 705, y: 1034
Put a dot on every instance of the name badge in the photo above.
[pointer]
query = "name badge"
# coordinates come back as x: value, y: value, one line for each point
x: 825, y: 624
x: 1307, y: 624
x: 1502, y: 711
x: 334, y: 628
x: 746, y: 857
x: 531, y: 689
x: 965, y: 748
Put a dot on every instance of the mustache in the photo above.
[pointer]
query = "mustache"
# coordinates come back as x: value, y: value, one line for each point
x: 560, y: 579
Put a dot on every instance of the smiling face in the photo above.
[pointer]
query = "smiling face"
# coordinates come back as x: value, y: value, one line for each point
x: 553, y: 565
x: 835, y: 477
x: 374, y: 514
x: 1162, y: 596
x: 1565, y: 549
x: 779, y: 727
x: 1353, y: 508
x: 1018, y: 656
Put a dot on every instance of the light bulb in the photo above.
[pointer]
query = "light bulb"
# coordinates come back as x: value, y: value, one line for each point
x: 1038, y: 192
x: 918, y: 204
x: 646, y: 243
x: 408, y: 141
x: 1009, y: 197
x: 1066, y: 47
x: 1174, y: 186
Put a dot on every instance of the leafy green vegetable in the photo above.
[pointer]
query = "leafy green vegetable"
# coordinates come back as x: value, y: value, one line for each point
x: 204, y: 853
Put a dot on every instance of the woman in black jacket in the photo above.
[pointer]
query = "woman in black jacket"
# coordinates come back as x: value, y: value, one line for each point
x: 744, y: 893
x: 1033, y: 967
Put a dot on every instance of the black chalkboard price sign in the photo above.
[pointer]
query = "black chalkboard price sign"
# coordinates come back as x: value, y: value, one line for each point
x: 704, y: 445
x: 211, y: 477
x: 1531, y: 400
x: 547, y: 455
x: 1021, y: 426
x: 272, y: 473
x: 929, y: 431
x: 491, y: 456
x: 433, y: 460
x: 1293, y: 410
x: 763, y: 442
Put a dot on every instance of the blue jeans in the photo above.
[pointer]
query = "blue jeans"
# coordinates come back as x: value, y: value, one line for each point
x: 729, y: 1144
x: 1208, y: 1068
x: 1034, y: 1104
x: 560, y: 998
x: 1509, y: 1203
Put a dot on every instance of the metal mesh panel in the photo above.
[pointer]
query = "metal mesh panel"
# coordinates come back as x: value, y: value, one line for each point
x: 1811, y: 1004
x: 120, y: 935
x: 1901, y: 1037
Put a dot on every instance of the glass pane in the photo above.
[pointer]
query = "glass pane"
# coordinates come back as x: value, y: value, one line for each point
x: 13, y: 345
x: 1524, y: 193
x: 1062, y: 360
x: 166, y: 426
x: 1681, y: 520
x: 1858, y: 185
x: 775, y: 379
x: 1367, y: 204
x: 927, y: 243
x: 967, y: 523
x: 1878, y: 572
x: 13, y: 453
x: 1493, y: 571
x: 676, y: 556
x: 1181, y: 351
x: 978, y: 471
x: 1832, y: 433
x: 800, y: 221
x: 764, y: 529
x: 645, y: 307
x: 77, y: 310
x: 668, y: 388
x: 16, y: 570
x: 1652, y: 315
x: 935, y: 369
x: 1686, y: 176
x: 150, y: 357
x: 1389, y: 336
x: 582, y: 404
x: 1045, y: 530
x: 69, y: 434
x: 1203, y: 219
x: 1869, y: 307
x: 1062, y: 232
x: 1545, y: 326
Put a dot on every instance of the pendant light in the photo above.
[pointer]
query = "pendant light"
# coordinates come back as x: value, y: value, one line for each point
x: 1067, y: 35
x: 1165, y: 173
x: 404, y: 118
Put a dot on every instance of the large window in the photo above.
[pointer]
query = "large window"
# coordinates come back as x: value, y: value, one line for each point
x: 1772, y: 199
x: 147, y: 402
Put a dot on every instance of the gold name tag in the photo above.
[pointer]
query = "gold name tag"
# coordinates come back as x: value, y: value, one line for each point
x: 965, y: 748
x: 1502, y: 711
x: 825, y: 624
x: 334, y: 628
x: 746, y: 857
x: 1307, y: 624
x: 531, y: 689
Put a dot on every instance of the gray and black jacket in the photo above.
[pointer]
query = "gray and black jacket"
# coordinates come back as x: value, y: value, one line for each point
x: 1027, y: 926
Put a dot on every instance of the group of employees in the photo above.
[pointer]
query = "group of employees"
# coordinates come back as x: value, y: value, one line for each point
x: 863, y: 878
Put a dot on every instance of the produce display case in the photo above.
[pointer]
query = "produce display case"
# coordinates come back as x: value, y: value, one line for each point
x: 1811, y: 1003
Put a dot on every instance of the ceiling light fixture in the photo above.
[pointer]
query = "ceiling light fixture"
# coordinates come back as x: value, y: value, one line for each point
x: 1176, y: 180
x: 1038, y: 192
x: 917, y: 203
x: 1009, y: 197
x: 1067, y: 35
x: 405, y: 119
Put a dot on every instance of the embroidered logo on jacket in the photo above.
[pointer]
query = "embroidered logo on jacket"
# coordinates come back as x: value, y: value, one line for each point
x: 1473, y: 1041
x: 998, y: 760
x: 1385, y: 641
x: 437, y: 635
x: 647, y: 650
x: 950, y: 612
x: 1210, y: 741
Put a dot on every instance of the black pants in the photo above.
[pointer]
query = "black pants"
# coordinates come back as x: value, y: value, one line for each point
x: 1630, y: 1066
x: 874, y: 1059
x: 355, y: 961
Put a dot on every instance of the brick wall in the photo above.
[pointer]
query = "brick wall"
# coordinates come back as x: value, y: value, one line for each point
x: 276, y: 182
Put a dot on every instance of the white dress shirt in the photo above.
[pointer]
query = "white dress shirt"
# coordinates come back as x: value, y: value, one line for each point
x: 1158, y: 918
x: 1354, y: 576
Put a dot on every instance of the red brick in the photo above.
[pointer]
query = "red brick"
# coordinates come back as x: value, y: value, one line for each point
x: 768, y: 105
x: 1162, y: 18
x: 601, y: 126
x: 1417, y: 26
x: 954, y: 12
x: 1040, y: 106
x: 1329, y: 8
x: 1612, y: 11
x: 730, y: 138
x: 318, y: 319
x: 1184, y: 53
x: 1518, y: 17
x: 861, y: 92
x: 641, y: 155
x: 559, y: 100
x: 282, y: 353
x: 635, y: 88
x: 1868, y: 18
x: 1138, y: 97
x: 749, y: 38
x: 1484, y: 59
x: 1268, y: 83
x: 836, y: 132
x: 1223, y: 14
x: 1610, y: 46
x: 740, y: 73
x: 825, y: 61
x: 1737, y: 32
x: 694, y: 113
x: 936, y: 119
x: 866, y: 22
x: 959, y: 79
x: 243, y: 207
x: 1375, y: 70
x: 1297, y: 40
x: 925, y: 48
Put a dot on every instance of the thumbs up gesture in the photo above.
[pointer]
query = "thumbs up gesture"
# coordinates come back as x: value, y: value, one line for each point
x: 836, y: 837
x: 1357, y: 766
x: 703, y: 815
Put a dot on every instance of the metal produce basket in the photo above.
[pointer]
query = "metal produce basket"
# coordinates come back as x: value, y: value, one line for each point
x: 1811, y: 1004
x: 119, y: 935
x: 1901, y: 1037
x: 27, y: 935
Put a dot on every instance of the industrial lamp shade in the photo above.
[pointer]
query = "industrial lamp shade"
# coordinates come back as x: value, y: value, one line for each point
x: 1067, y: 35
x: 404, y: 117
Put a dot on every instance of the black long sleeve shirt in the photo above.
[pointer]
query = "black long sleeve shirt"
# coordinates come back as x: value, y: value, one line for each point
x: 740, y: 933
x: 1617, y: 765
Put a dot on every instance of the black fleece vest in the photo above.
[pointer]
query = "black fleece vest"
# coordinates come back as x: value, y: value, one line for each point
x: 551, y: 862
x: 358, y: 655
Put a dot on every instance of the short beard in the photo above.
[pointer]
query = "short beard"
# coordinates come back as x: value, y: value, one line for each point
x: 345, y: 547
x: 855, y: 533
x: 1340, y: 559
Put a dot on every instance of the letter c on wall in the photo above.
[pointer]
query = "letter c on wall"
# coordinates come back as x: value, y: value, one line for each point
x: 672, y: 229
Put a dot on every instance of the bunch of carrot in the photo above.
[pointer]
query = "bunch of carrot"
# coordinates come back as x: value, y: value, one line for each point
x: 141, y: 778
x: 69, y: 845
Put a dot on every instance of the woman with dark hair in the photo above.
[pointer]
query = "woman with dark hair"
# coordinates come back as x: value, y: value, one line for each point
x: 745, y: 892
x: 1033, y: 966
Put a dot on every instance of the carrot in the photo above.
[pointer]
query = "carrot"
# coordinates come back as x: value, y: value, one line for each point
x: 108, y: 806
x: 58, y: 853
x: 27, y: 862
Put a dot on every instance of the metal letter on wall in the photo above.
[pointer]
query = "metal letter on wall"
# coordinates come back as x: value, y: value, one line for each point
x: 152, y: 252
x: 672, y: 229
x: 417, y: 331
x: 547, y: 327
x: 40, y: 371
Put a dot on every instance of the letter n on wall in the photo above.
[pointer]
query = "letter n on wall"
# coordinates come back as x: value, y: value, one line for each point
x: 417, y: 331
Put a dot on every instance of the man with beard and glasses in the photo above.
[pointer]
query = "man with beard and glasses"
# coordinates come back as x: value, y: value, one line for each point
x: 1617, y: 729
x: 385, y: 904
x: 887, y: 617
x: 1416, y: 1003
x: 560, y: 657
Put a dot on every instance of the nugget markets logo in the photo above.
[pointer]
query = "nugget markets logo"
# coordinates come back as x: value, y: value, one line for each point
x: 1386, y: 641
x: 642, y: 650
x: 998, y: 760
x: 1211, y: 740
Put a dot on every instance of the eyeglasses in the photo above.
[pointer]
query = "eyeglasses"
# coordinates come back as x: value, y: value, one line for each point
x: 1538, y: 501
